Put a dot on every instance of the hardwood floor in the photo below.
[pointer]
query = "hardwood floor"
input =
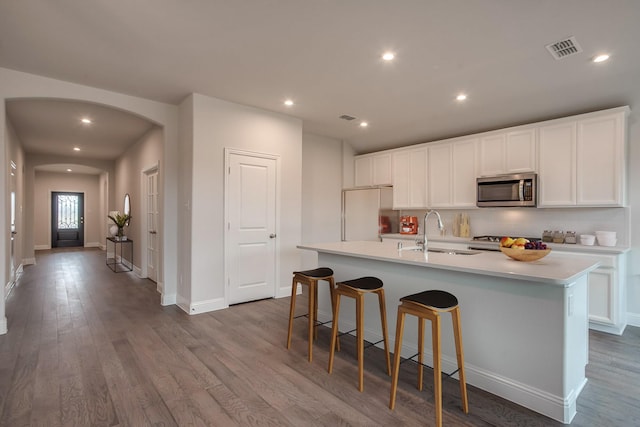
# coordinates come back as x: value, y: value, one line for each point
x: 89, y: 347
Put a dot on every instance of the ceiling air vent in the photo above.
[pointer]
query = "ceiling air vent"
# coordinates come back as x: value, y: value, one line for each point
x: 347, y: 118
x: 564, y: 48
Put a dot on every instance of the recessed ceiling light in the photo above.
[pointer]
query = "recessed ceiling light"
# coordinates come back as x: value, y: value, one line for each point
x: 388, y: 56
x: 364, y: 124
x: 76, y: 148
x: 601, y: 58
x: 86, y: 121
x: 69, y: 170
x: 288, y: 102
x: 461, y: 97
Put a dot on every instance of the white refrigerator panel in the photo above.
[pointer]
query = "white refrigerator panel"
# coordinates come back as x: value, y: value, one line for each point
x: 361, y: 212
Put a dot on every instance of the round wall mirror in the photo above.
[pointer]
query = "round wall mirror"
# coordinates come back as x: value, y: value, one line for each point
x: 127, y: 206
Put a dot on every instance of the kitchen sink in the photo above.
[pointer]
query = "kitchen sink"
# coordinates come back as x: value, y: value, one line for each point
x: 440, y: 250
x: 452, y: 251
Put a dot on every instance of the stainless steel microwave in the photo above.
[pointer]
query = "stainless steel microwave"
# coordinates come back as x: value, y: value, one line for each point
x: 507, y: 190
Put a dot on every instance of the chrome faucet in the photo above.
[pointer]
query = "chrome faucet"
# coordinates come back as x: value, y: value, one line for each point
x: 424, y: 227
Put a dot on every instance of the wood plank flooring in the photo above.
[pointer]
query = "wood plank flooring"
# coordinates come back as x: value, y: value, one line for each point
x: 89, y: 347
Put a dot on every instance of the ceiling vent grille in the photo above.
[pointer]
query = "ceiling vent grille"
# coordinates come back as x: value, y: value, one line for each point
x: 564, y: 48
x: 346, y: 117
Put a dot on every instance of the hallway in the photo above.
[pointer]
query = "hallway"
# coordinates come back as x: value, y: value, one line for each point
x: 87, y: 346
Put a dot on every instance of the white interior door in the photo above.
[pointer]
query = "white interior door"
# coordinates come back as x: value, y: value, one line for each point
x: 152, y: 224
x: 250, y: 237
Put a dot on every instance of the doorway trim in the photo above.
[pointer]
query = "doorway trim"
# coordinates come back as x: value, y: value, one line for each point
x: 228, y: 152
x: 155, y: 168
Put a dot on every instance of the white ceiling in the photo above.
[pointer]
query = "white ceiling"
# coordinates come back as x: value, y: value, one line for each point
x: 325, y: 55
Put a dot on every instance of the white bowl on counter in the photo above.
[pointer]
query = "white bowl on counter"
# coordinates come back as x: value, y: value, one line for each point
x: 606, y: 238
x: 587, y: 239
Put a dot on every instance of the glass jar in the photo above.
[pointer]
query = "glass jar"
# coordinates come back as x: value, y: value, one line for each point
x: 558, y: 237
x: 547, y: 236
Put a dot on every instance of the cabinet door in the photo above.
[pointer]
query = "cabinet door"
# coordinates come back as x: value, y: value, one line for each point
x: 381, y: 169
x: 400, y: 160
x: 492, y: 155
x: 464, y: 173
x: 363, y: 171
x: 600, y: 161
x: 439, y: 170
x: 556, y: 165
x: 521, y: 151
x: 418, y: 178
x: 601, y: 296
x: 409, y: 178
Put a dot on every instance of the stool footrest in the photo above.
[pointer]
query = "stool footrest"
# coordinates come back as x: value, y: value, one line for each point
x: 410, y: 359
x: 317, y: 323
x: 346, y: 333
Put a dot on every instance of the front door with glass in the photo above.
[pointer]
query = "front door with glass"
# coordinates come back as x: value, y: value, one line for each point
x: 67, y: 219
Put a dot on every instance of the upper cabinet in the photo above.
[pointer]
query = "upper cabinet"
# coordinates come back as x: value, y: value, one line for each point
x: 464, y: 173
x: 452, y: 174
x: 409, y: 178
x: 512, y: 151
x: 582, y: 161
x: 373, y: 169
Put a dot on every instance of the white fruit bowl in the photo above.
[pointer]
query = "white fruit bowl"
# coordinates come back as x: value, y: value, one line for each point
x: 525, y: 255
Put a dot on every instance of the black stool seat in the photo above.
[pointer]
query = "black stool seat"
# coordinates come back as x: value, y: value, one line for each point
x: 364, y: 283
x: 316, y: 273
x: 433, y: 298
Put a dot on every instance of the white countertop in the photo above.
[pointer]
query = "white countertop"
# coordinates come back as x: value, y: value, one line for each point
x: 562, y: 247
x: 556, y: 269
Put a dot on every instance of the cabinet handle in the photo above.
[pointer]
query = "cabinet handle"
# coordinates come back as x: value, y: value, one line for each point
x: 272, y: 236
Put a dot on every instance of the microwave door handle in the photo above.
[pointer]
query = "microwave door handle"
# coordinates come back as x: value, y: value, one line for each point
x: 521, y: 190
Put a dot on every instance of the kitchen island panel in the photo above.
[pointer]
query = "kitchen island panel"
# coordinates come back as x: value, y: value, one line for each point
x: 524, y: 341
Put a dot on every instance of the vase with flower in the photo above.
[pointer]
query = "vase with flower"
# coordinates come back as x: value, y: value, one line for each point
x: 120, y: 220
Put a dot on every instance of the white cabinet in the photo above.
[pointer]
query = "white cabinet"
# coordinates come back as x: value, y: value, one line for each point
x: 409, y: 178
x: 452, y: 174
x: 557, y: 165
x: 464, y: 173
x: 508, y: 152
x: 373, y: 169
x: 581, y: 162
x: 440, y: 171
x: 600, y: 161
x: 607, y: 296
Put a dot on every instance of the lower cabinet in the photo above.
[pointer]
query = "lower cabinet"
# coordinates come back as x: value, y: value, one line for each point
x: 607, y: 296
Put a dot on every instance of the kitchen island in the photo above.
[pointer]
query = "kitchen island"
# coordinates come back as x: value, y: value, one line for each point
x: 524, y: 325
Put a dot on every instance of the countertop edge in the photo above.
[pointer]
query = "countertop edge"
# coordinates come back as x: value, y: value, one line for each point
x: 564, y: 282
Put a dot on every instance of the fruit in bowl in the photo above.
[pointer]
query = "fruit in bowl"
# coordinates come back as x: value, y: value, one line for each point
x: 522, y: 249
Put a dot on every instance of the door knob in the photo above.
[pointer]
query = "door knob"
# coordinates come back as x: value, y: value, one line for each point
x: 272, y: 236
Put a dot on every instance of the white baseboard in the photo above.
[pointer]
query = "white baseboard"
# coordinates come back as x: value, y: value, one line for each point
x: 159, y: 287
x: 616, y: 330
x: 41, y: 247
x: 28, y: 261
x: 548, y: 404
x: 92, y: 245
x: 206, y: 306
x: 3, y: 325
x: 138, y: 272
x: 633, y: 319
x: 168, y: 299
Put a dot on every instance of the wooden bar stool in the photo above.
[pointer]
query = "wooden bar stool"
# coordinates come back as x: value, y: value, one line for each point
x: 357, y: 289
x: 429, y: 305
x: 310, y: 278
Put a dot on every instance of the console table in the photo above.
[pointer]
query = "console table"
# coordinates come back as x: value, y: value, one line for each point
x: 119, y: 254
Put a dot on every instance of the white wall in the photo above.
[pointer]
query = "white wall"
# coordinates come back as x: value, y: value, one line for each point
x: 220, y: 124
x: 14, y: 153
x: 14, y: 84
x: 633, y: 284
x: 45, y: 183
x: 144, y: 154
x: 185, y: 162
x: 321, y: 193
